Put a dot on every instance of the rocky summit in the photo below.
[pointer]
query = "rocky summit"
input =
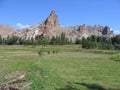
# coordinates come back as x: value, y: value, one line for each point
x: 51, y: 27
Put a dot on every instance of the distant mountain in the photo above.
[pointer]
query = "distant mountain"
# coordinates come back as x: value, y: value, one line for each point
x: 51, y: 27
x: 6, y: 30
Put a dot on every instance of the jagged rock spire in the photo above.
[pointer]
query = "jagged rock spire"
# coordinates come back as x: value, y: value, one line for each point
x: 52, y: 20
x: 52, y: 13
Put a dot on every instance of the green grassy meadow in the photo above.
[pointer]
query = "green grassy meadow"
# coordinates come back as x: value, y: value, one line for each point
x: 71, y: 68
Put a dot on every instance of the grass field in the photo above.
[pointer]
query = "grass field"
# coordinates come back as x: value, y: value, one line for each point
x: 71, y: 68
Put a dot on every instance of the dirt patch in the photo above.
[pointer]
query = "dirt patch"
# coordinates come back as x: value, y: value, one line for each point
x: 14, y: 75
x: 17, y: 81
x: 7, y: 87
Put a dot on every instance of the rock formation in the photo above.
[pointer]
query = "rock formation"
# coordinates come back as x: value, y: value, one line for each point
x: 47, y: 28
x: 50, y: 27
x: 86, y: 31
x: 51, y: 21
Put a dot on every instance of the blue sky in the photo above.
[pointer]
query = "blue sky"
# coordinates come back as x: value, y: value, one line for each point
x: 22, y: 13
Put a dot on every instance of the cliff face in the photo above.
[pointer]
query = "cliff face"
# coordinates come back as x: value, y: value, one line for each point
x: 50, y: 27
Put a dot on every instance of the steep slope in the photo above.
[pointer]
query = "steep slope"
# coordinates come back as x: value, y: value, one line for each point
x: 6, y: 30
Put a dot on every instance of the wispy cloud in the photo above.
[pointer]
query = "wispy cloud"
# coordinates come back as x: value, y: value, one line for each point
x: 22, y: 26
x: 117, y: 31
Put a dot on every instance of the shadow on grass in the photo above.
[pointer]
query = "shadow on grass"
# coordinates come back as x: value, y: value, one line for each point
x: 92, y: 86
x: 88, y: 86
x: 68, y: 88
x: 117, y: 60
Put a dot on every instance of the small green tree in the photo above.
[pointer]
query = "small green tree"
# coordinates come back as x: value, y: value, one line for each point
x: 84, y: 43
x: 78, y: 41
x: 1, y: 40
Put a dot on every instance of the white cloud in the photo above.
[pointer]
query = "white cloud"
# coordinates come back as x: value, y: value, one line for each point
x: 22, y: 26
x: 111, y: 29
x: 117, y: 31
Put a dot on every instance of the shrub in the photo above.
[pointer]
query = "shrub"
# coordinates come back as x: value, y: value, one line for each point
x: 40, y: 52
x: 117, y: 47
x: 116, y: 57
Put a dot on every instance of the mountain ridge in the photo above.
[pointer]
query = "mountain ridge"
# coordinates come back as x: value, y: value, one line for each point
x: 51, y: 27
x: 6, y: 30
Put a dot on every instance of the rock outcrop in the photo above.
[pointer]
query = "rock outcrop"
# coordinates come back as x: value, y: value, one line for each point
x: 86, y: 31
x: 51, y: 21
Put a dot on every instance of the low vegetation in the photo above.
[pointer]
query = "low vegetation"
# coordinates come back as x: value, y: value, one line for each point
x: 67, y: 67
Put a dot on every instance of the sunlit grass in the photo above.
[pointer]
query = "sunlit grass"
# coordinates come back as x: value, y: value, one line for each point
x: 72, y: 68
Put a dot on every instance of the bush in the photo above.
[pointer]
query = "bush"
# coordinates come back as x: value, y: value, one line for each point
x: 116, y: 57
x: 106, y: 46
x: 40, y: 53
x: 117, y: 47
x: 55, y: 51
x: 44, y: 51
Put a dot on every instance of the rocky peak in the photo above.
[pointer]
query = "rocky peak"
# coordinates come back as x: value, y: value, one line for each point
x: 106, y: 30
x: 53, y: 13
x: 51, y: 21
x: 50, y: 25
x: 46, y: 28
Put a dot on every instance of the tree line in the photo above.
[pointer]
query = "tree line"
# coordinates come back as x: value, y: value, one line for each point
x: 100, y: 42
x: 92, y: 42
x: 38, y: 40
